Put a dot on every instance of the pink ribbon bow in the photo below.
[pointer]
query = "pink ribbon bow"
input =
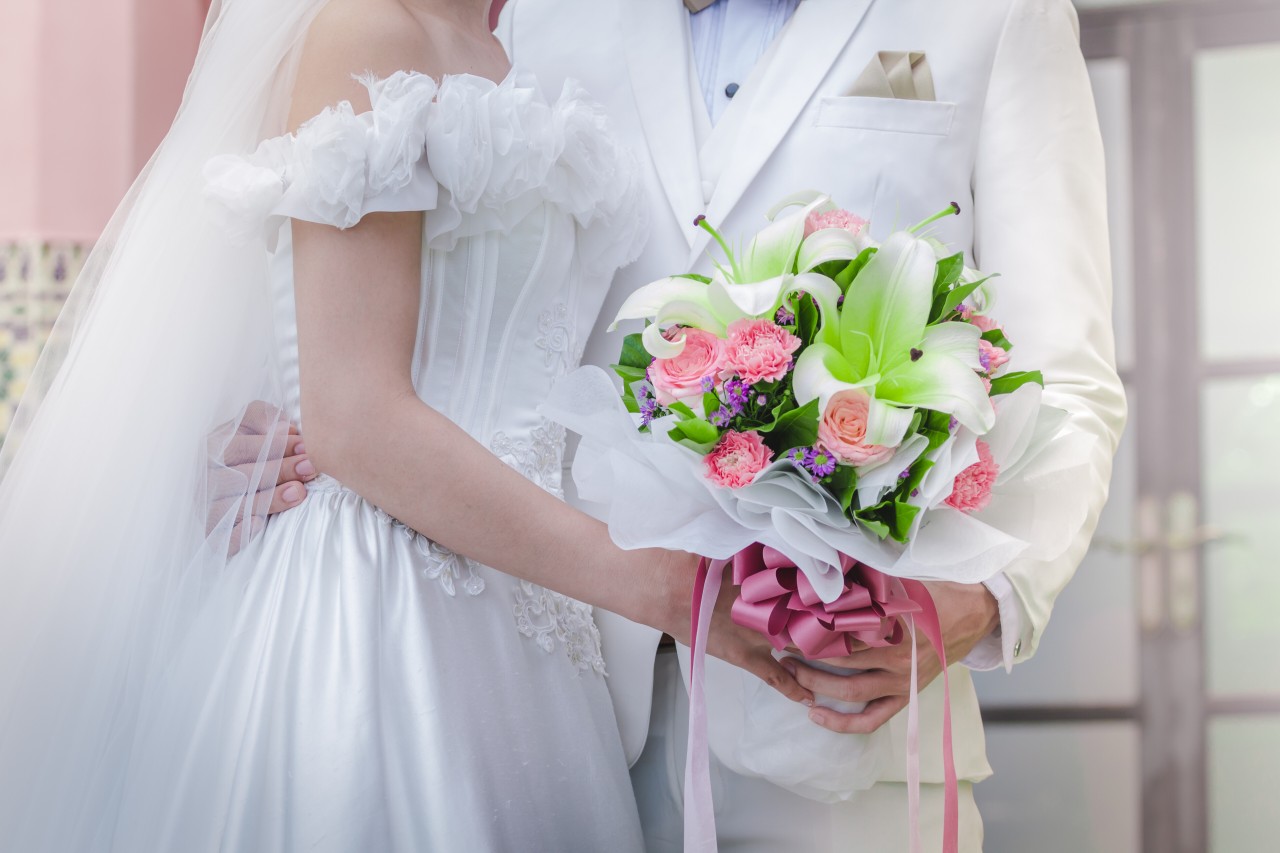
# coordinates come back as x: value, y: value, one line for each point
x: 776, y: 599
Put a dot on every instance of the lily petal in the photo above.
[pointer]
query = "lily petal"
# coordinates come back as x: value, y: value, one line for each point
x: 827, y: 294
x: 942, y: 383
x: 828, y: 244
x: 957, y: 340
x: 772, y: 252
x: 687, y: 313
x: 887, y: 424
x: 657, y: 345
x: 821, y: 373
x: 887, y: 306
x: 805, y: 198
x: 647, y: 301
x: 751, y: 299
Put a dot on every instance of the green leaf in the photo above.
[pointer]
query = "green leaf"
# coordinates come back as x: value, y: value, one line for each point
x: 843, y: 484
x: 1011, y: 382
x: 806, y: 319
x: 850, y: 272
x: 710, y: 402
x: 946, y: 303
x: 695, y: 277
x: 948, y: 273
x: 682, y: 409
x: 634, y: 354
x: 996, y: 337
x: 891, y: 518
x: 628, y: 374
x: 796, y: 428
x: 700, y: 431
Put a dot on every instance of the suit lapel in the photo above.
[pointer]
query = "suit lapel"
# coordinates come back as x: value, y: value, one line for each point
x: 657, y: 51
x: 811, y: 43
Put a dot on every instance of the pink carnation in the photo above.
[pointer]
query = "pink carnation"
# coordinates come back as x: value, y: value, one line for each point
x: 991, y: 357
x: 850, y: 222
x: 737, y: 458
x: 843, y: 429
x: 681, y: 377
x: 982, y: 321
x: 759, y: 351
x: 972, y: 489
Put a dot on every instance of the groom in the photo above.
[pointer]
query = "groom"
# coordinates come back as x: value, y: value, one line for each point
x: 894, y: 107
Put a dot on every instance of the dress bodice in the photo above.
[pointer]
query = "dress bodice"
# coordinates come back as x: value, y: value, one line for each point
x: 529, y: 207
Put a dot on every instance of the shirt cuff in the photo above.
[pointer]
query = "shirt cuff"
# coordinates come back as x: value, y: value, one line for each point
x: 1001, y: 646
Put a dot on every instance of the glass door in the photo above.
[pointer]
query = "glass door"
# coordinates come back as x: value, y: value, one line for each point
x: 1150, y: 718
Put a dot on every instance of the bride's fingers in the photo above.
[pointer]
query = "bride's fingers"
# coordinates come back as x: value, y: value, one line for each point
x: 875, y: 715
x: 762, y: 665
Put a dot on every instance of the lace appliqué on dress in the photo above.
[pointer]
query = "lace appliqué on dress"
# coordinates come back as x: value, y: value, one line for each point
x: 443, y: 565
x: 544, y: 616
x: 555, y: 335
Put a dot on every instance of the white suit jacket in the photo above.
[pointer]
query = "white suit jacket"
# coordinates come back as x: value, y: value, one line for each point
x: 1012, y: 137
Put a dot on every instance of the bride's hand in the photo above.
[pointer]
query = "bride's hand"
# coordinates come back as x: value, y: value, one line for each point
x: 742, y: 647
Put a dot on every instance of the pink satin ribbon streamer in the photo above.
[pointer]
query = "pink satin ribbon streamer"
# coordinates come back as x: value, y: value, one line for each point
x: 776, y: 599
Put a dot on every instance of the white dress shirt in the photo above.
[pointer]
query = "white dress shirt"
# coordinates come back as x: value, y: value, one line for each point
x: 729, y: 37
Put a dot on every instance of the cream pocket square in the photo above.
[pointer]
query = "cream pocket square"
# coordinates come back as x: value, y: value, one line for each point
x: 900, y: 74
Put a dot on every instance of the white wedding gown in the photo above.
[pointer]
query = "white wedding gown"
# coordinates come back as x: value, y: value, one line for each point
x: 379, y: 692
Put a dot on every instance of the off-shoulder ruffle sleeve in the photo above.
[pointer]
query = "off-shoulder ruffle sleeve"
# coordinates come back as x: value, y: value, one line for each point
x: 476, y: 156
x: 338, y: 166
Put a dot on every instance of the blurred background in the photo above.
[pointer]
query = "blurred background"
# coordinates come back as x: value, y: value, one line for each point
x: 1150, y: 719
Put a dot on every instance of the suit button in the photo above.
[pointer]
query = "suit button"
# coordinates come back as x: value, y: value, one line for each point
x: 731, y: 90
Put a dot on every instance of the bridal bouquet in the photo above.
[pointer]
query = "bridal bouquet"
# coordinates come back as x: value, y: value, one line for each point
x: 835, y: 418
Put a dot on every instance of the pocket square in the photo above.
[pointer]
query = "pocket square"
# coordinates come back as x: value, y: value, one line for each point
x: 900, y: 74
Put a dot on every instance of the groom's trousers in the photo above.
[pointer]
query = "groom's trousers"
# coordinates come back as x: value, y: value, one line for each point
x: 755, y: 816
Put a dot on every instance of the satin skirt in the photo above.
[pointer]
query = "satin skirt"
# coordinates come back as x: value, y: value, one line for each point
x: 353, y: 687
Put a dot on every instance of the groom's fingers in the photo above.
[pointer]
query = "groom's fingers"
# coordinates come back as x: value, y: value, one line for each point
x: 863, y: 687
x: 875, y: 715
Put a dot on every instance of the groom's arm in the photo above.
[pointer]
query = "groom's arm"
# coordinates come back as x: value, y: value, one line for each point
x: 1040, y: 219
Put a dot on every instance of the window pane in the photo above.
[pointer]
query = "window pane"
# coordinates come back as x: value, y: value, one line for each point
x: 1242, y: 582
x: 1237, y: 185
x: 1244, y: 776
x: 1062, y: 788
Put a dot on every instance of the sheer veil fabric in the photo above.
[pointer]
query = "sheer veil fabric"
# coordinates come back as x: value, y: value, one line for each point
x: 106, y: 553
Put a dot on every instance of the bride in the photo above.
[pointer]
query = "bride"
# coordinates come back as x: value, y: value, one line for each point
x: 414, y: 257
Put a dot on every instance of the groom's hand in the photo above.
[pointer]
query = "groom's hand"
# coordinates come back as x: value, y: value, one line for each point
x: 967, y: 613
x: 259, y: 437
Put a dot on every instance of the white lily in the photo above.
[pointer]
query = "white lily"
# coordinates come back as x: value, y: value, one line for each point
x: 755, y: 283
x: 886, y: 348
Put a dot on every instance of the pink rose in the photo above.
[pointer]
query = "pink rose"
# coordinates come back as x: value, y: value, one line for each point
x: 681, y: 377
x: 850, y: 222
x: 972, y: 489
x: 737, y: 458
x: 991, y: 357
x: 759, y: 351
x: 843, y: 429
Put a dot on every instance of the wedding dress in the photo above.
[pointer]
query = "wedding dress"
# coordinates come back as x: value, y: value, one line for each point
x: 348, y: 684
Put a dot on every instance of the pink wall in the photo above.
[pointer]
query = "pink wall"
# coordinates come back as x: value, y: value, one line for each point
x: 89, y: 94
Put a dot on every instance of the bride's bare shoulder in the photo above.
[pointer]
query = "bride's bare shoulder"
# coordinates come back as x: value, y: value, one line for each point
x: 350, y: 37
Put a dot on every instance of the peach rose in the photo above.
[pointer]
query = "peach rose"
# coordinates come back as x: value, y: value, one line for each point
x: 843, y: 429
x: 737, y: 458
x: 681, y: 377
x: 759, y: 351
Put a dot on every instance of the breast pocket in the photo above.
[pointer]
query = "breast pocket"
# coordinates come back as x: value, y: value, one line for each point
x: 886, y: 115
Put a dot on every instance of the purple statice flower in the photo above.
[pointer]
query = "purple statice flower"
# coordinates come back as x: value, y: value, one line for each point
x: 720, y: 417
x: 784, y: 317
x: 951, y: 427
x: 737, y: 394
x: 762, y: 400
x: 906, y: 472
x: 984, y: 358
x: 708, y: 384
x: 648, y: 400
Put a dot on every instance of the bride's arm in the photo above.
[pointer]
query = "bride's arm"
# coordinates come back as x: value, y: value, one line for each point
x: 357, y: 294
